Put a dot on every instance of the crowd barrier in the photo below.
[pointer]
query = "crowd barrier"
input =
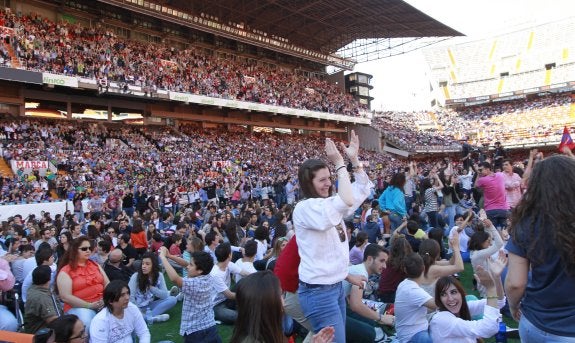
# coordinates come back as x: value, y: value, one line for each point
x: 25, y: 210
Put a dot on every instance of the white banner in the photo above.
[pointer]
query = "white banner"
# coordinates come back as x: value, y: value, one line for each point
x: 216, y: 164
x: 58, y: 207
x: 30, y: 166
x: 60, y: 80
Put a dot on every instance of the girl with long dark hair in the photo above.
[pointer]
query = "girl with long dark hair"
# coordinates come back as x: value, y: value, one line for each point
x: 453, y: 320
x: 260, y: 311
x: 541, y: 243
x: 148, y: 289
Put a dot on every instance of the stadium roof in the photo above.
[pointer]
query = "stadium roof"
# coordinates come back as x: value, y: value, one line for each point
x: 320, y: 25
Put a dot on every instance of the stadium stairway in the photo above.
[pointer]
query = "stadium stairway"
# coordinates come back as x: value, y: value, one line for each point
x: 5, y: 169
x: 13, y: 58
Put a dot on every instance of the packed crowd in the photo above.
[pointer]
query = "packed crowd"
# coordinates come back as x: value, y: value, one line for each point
x: 107, y: 269
x: 181, y: 164
x: 94, y: 52
x: 539, y: 120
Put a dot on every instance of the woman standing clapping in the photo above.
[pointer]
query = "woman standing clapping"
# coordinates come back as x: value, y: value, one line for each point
x: 320, y: 232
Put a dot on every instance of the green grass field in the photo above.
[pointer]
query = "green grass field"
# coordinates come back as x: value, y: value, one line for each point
x: 169, y: 331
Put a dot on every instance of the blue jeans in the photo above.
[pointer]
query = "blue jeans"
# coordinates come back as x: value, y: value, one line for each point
x: 323, y: 306
x: 395, y: 220
x: 432, y: 219
x: 529, y: 333
x: 161, y: 306
x: 421, y: 337
x: 225, y: 312
x: 84, y: 314
x: 449, y: 215
x: 209, y: 335
x: 359, y: 329
x: 498, y: 218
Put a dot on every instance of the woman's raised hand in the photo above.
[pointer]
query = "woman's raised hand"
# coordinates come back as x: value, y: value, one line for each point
x: 352, y: 150
x: 497, y: 266
x: 332, y: 153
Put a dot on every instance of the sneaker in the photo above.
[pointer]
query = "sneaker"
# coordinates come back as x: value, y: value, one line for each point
x: 180, y: 296
x: 174, y: 291
x: 162, y: 318
x: 379, y: 335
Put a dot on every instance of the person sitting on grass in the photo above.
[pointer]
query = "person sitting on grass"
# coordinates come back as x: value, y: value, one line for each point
x: 148, y: 289
x: 453, y: 321
x: 120, y: 319
x: 224, y: 299
x: 361, y: 318
x: 198, y: 323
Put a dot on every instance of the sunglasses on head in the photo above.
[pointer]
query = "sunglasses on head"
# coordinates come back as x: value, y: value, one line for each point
x: 340, y: 232
x: 84, y: 248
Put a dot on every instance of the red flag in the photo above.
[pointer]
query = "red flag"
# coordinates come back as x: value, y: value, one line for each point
x: 566, y: 140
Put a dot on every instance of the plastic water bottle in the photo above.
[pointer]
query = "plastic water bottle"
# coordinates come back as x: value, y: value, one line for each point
x: 501, y: 336
x: 149, y: 317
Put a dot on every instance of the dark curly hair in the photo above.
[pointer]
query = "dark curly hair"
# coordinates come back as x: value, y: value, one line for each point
x: 545, y: 212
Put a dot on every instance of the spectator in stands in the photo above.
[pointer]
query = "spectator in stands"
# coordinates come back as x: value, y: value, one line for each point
x: 148, y: 289
x: 498, y: 157
x: 246, y: 263
x: 7, y: 280
x: 224, y: 299
x: 129, y: 254
x: 392, y: 200
x: 430, y: 187
x: 429, y: 250
x: 454, y: 321
x: 484, y: 243
x: 43, y: 257
x: 198, y: 323
x: 412, y: 303
x: 68, y: 328
x: 356, y: 253
x: 120, y: 319
x: 65, y: 242
x: 493, y: 186
x: 115, y: 269
x: 541, y: 245
x: 319, y: 218
x: 356, y: 324
x: 81, y: 282
x: 260, y: 306
x: 26, y: 254
x: 41, y: 307
x: 102, y: 252
x: 45, y: 236
x: 465, y: 232
x: 138, y: 238
x: 393, y: 272
x: 512, y: 184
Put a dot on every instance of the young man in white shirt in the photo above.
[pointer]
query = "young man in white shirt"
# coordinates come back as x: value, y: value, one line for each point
x: 120, y: 319
x: 246, y: 263
x: 224, y: 299
x: 357, y: 327
x: 412, y: 303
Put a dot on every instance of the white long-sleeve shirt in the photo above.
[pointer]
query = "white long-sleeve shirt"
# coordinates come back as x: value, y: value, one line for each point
x: 446, y: 327
x: 105, y: 327
x: 324, y: 258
